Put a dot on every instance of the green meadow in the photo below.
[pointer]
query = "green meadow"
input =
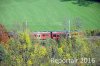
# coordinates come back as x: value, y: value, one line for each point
x: 48, y: 15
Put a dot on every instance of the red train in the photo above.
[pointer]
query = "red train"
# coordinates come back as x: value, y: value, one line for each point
x: 53, y: 35
x: 40, y: 35
x: 46, y: 35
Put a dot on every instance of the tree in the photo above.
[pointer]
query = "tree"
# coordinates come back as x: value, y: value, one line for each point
x: 80, y: 2
x: 3, y: 34
x: 77, y: 24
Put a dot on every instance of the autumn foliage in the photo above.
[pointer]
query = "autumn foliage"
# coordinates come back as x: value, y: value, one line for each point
x: 3, y: 34
x: 24, y: 51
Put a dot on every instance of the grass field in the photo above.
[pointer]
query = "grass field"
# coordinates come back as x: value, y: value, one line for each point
x: 48, y: 15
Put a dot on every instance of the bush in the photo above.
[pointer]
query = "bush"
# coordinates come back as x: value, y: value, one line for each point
x: 21, y: 52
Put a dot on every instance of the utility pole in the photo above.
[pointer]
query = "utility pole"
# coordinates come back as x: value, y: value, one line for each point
x: 26, y: 24
x: 69, y: 30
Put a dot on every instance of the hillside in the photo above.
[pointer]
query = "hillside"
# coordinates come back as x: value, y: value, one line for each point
x: 48, y: 15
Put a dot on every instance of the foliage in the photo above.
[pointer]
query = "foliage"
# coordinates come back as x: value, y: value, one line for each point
x: 24, y: 53
x: 3, y: 35
x: 2, y: 53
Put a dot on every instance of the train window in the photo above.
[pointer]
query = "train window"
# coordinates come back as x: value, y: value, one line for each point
x: 46, y: 34
x: 43, y: 35
x: 54, y: 35
x: 57, y: 35
x: 38, y: 35
x: 35, y: 35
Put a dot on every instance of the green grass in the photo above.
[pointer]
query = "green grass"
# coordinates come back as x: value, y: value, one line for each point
x: 48, y: 15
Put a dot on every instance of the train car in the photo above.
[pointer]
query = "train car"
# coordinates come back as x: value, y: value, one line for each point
x: 53, y: 35
x: 41, y: 35
x: 77, y: 33
x: 57, y: 35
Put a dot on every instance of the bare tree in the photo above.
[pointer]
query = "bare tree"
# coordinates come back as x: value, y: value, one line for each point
x: 77, y: 24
